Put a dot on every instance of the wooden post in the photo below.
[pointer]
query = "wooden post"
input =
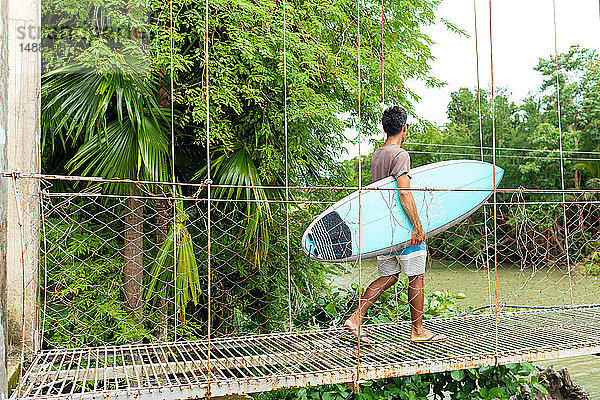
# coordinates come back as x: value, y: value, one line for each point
x: 21, y: 231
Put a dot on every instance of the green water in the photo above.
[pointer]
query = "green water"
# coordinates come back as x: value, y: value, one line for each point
x: 546, y: 286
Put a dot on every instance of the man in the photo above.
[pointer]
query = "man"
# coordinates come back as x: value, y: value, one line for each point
x: 392, y: 160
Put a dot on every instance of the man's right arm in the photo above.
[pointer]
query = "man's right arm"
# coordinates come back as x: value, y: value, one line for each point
x: 408, y: 204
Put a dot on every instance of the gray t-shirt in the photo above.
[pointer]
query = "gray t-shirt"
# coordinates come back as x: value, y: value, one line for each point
x: 390, y: 160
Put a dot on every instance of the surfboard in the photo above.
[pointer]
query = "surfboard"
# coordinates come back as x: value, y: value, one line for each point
x: 451, y: 191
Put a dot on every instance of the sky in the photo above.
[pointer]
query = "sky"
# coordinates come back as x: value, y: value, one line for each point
x: 522, y: 32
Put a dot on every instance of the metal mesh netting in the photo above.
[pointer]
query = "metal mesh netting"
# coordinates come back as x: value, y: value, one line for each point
x: 108, y: 276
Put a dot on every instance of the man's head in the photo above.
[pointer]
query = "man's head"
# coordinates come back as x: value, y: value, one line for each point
x: 394, y: 121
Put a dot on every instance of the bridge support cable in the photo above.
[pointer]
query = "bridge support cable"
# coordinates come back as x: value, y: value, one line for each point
x: 358, y: 376
x: 209, y: 203
x: 287, y: 179
x: 486, y: 255
x: 494, y: 196
x: 560, y: 144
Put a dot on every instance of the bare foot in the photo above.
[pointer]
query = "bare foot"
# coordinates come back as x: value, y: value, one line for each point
x: 352, y: 327
x: 425, y: 336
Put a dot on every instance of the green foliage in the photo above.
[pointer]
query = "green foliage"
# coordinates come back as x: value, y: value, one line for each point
x: 80, y: 274
x: 103, y: 34
x: 112, y: 120
x: 484, y: 383
x: 591, y: 264
x: 246, y: 71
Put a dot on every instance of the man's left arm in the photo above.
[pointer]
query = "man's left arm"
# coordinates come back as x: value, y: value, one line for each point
x: 410, y: 208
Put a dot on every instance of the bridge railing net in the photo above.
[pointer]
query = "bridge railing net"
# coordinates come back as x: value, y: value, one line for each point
x: 108, y: 276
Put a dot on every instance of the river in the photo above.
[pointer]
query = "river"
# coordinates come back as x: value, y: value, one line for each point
x: 547, y: 286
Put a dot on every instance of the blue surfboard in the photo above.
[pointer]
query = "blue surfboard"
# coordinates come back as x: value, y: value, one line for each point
x: 334, y: 235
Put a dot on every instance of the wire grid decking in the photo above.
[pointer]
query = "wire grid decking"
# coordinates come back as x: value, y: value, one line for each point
x: 269, y: 362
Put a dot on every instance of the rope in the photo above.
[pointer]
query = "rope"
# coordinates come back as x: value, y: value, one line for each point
x: 200, y: 186
x: 499, y: 148
x: 439, y: 153
x: 15, y: 176
x: 174, y: 187
x: 485, y: 218
x: 382, y: 68
x: 287, y: 182
x: 360, y: 328
x: 383, y: 108
x: 494, y: 180
x: 45, y: 305
x: 562, y: 170
x: 208, y: 197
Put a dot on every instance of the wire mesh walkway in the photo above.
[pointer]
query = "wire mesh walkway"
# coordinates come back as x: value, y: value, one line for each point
x: 275, y: 361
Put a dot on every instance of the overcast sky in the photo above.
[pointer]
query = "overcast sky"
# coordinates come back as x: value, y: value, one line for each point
x: 523, y: 31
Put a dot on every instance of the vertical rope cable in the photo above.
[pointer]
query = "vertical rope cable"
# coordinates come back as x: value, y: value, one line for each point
x: 560, y: 148
x: 494, y: 180
x: 485, y: 217
x: 382, y: 109
x: 208, y: 202
x: 287, y: 182
x: 23, y: 279
x: 45, y: 302
x: 359, y: 199
x: 174, y: 188
x: 382, y: 50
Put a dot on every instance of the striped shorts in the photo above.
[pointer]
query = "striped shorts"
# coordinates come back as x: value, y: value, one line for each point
x: 410, y: 260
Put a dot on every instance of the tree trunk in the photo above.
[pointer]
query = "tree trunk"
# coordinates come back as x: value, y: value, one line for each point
x: 558, y: 384
x: 133, y: 254
x: 164, y: 212
x: 163, y: 219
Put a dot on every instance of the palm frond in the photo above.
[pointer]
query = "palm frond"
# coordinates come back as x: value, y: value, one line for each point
x: 79, y: 103
x: 237, y: 171
x: 187, y: 280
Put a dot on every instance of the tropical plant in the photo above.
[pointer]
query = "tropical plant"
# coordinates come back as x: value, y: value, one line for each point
x: 187, y: 281
x: 119, y: 131
x: 591, y: 169
x: 85, y: 306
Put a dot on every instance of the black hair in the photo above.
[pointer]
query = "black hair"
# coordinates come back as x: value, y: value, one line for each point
x: 393, y: 120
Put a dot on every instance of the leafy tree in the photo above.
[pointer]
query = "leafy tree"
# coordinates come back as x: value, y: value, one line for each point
x: 578, y: 80
x: 247, y: 87
x: 246, y: 68
x: 119, y: 132
x: 572, y: 65
x: 104, y: 115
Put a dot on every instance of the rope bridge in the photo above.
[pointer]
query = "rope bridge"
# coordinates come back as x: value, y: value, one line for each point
x: 253, y: 318
x: 172, y: 291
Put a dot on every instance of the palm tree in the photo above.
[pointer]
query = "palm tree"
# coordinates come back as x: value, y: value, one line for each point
x: 119, y: 131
